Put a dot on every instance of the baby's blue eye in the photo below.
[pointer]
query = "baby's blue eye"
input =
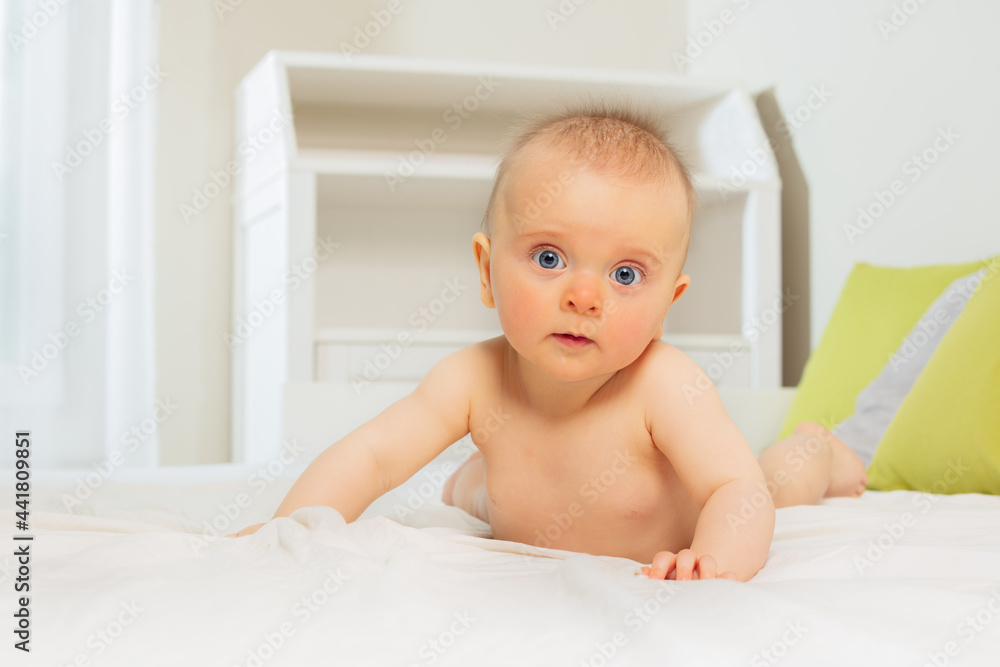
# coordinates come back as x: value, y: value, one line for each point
x: 626, y: 275
x: 547, y: 259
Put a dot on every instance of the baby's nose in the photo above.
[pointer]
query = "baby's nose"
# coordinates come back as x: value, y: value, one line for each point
x: 583, y: 294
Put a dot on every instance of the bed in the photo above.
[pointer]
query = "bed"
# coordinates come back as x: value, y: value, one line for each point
x: 131, y: 570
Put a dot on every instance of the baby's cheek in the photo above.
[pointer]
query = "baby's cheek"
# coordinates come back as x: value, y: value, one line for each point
x: 520, y: 306
x: 625, y: 321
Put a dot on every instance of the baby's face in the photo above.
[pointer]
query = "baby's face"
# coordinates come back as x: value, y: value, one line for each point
x: 583, y: 266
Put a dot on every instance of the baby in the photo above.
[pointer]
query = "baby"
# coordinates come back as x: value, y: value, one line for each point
x: 587, y: 231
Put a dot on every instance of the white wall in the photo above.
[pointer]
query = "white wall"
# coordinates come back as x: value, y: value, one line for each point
x: 206, y: 53
x: 890, y: 95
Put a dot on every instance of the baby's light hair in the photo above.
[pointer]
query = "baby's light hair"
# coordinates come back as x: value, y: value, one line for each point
x: 617, y: 138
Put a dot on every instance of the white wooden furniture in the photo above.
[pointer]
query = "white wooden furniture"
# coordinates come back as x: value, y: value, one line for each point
x: 387, y: 162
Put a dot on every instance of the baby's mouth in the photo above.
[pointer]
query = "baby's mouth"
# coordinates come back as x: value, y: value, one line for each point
x: 571, y: 340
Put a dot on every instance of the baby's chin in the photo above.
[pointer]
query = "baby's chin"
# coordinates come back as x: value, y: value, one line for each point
x: 570, y: 370
x: 574, y: 365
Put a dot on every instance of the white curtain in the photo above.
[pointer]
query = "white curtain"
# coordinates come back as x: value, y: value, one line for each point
x: 78, y: 99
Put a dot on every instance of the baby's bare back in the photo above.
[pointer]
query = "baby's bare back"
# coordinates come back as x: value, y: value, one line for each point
x: 592, y: 482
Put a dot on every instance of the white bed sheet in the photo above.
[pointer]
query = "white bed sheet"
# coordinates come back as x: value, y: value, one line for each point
x: 896, y: 578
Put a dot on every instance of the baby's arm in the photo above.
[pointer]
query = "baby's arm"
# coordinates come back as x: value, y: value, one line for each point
x: 689, y: 424
x: 383, y: 453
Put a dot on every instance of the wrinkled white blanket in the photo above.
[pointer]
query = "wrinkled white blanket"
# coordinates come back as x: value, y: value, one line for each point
x: 135, y: 577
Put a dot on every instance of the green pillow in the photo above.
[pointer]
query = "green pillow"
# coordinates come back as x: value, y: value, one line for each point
x: 877, y: 309
x: 945, y: 438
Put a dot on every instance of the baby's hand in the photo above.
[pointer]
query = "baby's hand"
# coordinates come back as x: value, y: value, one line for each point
x: 249, y: 530
x: 685, y: 565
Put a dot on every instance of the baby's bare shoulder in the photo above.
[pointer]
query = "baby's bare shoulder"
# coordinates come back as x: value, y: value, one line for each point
x: 475, y: 356
x: 663, y: 367
x: 665, y: 380
x: 474, y: 364
x: 486, y: 355
x: 458, y: 378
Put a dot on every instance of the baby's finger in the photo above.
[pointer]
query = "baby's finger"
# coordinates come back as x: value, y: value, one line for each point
x: 249, y: 530
x: 663, y: 563
x: 707, y: 567
x: 685, y: 565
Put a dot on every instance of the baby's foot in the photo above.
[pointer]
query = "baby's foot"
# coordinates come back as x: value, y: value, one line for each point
x: 847, y: 472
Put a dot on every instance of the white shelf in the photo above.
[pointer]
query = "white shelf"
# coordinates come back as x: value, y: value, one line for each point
x: 450, y: 180
x: 371, y: 180
x: 457, y: 166
x: 332, y: 79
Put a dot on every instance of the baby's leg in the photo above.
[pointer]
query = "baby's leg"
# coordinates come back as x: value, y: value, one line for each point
x: 810, y: 465
x: 466, y: 488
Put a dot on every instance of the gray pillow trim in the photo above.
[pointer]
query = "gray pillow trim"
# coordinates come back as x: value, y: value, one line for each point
x: 878, y: 403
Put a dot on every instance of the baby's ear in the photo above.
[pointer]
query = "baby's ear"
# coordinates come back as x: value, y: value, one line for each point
x: 481, y: 249
x: 680, y: 286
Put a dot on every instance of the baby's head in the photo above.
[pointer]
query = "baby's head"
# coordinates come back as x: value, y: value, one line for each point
x: 615, y: 140
x: 587, y: 230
